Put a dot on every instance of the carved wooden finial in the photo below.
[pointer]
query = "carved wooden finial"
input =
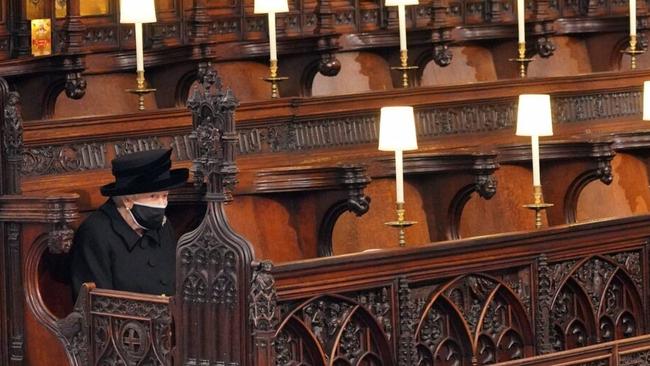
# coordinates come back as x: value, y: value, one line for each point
x: 213, y: 263
x: 213, y: 138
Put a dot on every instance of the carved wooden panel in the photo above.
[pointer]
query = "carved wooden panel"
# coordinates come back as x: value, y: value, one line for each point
x: 337, y: 330
x: 470, y: 317
x: 130, y: 332
x: 597, y: 299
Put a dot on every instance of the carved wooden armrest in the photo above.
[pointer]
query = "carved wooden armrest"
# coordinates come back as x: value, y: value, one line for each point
x: 116, y: 327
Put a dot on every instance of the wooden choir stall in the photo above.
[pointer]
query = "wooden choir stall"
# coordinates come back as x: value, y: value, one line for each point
x: 283, y: 254
x: 568, y: 294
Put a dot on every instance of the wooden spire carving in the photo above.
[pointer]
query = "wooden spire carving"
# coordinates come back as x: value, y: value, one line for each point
x: 213, y: 265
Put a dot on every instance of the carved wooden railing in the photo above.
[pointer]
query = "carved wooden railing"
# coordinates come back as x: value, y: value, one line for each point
x: 467, y: 302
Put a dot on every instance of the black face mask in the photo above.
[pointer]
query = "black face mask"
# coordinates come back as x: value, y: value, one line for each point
x: 148, y: 217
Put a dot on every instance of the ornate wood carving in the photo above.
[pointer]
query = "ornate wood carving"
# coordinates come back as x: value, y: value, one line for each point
x: 515, y: 306
x: 15, y: 295
x: 72, y: 331
x: 57, y: 211
x: 214, y: 271
x: 263, y: 313
x: 12, y: 140
x: 344, y: 329
x: 60, y: 159
x: 304, y: 132
x: 75, y: 85
x: 199, y: 21
x: 473, y: 317
x: 639, y: 358
x: 75, y: 329
x: 130, y: 330
x: 542, y: 320
x: 10, y: 253
x: 587, y: 107
x: 597, y: 286
x: 407, y: 352
x: 354, y: 180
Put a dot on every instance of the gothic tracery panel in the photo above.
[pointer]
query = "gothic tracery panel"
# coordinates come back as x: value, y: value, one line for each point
x: 597, y: 301
x: 473, y: 317
x: 345, y: 331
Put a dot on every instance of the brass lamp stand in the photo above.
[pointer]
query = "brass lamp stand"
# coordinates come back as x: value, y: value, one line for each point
x: 538, y: 206
x: 401, y: 224
x: 141, y: 90
x: 522, y: 60
x: 404, y: 67
x: 274, y: 79
x: 633, y: 51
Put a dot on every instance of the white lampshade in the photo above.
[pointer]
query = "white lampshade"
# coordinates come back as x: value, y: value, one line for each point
x: 397, y: 129
x: 646, y: 100
x: 270, y: 6
x: 534, y: 115
x: 401, y: 2
x: 137, y: 11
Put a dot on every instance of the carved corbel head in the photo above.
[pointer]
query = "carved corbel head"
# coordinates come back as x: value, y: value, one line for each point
x: 59, y: 240
x: 329, y: 65
x: 486, y: 185
x: 75, y: 85
x: 545, y: 46
x: 356, y: 179
x: 605, y: 170
x: 442, y: 55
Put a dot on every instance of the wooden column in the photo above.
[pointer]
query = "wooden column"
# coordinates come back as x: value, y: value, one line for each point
x: 13, y: 344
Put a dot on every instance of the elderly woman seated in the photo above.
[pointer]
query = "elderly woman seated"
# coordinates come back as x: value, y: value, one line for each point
x: 128, y: 244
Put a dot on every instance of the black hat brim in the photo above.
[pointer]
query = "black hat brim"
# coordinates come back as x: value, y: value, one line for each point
x: 176, y: 178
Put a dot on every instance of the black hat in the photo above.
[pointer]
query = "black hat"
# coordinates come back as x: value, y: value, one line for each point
x: 143, y: 172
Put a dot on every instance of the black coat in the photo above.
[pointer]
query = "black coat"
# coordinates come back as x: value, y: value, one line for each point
x: 108, y: 252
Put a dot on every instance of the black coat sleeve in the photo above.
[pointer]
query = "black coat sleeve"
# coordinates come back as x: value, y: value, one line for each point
x: 91, y: 258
